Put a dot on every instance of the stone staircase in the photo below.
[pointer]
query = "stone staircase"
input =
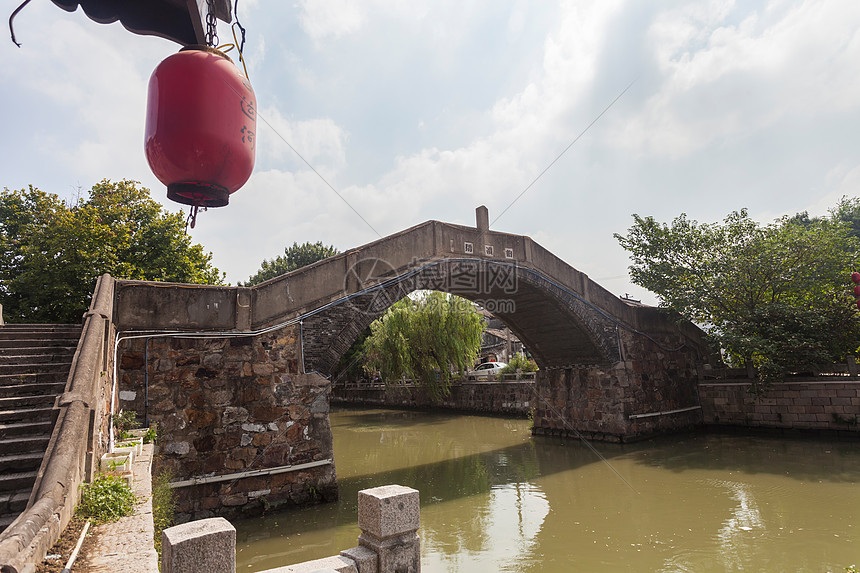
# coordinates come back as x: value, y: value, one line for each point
x: 34, y: 363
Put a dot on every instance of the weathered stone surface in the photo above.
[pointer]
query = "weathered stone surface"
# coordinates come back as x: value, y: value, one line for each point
x: 388, y: 510
x: 365, y: 560
x: 204, y: 546
x: 388, y: 517
x: 177, y: 448
x: 821, y: 406
x: 339, y: 564
x: 604, y: 402
x: 223, y: 416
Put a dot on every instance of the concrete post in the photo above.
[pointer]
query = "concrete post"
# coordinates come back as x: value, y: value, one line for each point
x: 388, y: 517
x: 204, y: 546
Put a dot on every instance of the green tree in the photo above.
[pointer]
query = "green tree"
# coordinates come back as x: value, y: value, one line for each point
x: 294, y: 257
x: 776, y: 297
x: 423, y: 339
x: 51, y: 252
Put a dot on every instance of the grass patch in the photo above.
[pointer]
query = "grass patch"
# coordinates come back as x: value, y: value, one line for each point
x: 108, y: 498
x: 163, y: 506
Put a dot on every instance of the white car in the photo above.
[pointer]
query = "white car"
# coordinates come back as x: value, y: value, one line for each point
x: 486, y: 369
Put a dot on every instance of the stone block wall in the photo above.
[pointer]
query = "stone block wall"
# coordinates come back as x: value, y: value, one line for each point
x: 650, y: 391
x: 829, y: 406
x: 232, y: 405
x: 512, y: 397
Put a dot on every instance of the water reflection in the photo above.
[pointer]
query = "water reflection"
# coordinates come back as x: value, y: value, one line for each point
x: 495, y: 499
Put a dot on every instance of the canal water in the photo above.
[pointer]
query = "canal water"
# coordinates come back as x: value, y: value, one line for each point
x: 494, y: 498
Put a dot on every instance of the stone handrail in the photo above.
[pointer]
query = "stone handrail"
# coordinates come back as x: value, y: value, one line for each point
x: 388, y: 517
x: 74, y: 444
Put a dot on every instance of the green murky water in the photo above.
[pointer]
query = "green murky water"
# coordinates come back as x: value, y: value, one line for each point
x: 493, y: 498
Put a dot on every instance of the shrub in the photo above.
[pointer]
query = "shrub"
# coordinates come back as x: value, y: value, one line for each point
x: 124, y: 421
x: 150, y: 436
x: 107, y: 498
x: 520, y: 362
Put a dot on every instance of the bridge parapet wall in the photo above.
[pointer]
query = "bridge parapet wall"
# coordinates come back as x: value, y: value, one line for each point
x: 141, y: 305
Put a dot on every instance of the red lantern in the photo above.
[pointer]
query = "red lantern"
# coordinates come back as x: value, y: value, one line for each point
x: 201, y: 124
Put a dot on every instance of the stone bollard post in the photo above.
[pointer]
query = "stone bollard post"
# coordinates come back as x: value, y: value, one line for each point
x: 204, y: 546
x: 388, y: 517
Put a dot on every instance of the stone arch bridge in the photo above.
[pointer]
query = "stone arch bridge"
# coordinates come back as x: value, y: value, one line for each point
x: 236, y: 377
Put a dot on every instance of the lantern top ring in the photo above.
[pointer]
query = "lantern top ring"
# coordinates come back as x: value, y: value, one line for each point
x: 205, y: 48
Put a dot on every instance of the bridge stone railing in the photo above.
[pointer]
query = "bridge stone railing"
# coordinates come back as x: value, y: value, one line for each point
x: 77, y: 442
x: 388, y: 517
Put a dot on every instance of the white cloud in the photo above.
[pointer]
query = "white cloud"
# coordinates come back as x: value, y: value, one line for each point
x: 330, y: 19
x: 320, y: 141
x: 79, y: 73
x: 842, y: 181
x: 723, y: 81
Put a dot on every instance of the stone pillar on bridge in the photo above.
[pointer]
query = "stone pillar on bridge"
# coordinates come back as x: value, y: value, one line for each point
x: 482, y: 216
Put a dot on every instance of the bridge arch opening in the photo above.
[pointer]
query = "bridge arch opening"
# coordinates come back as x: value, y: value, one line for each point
x: 559, y: 328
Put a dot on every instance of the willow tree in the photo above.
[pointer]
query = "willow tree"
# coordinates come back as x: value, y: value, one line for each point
x: 425, y: 339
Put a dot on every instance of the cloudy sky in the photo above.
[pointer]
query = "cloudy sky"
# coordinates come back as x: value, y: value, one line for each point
x: 426, y: 109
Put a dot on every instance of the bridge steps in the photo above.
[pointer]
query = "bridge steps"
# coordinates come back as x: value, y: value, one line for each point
x: 19, y: 480
x: 37, y: 368
x: 24, y: 414
x: 31, y: 341
x: 10, y: 390
x: 33, y: 378
x: 25, y: 428
x: 34, y: 365
x: 20, y: 462
x: 35, y: 352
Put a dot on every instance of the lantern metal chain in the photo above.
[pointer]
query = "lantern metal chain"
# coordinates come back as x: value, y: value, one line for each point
x: 240, y: 47
x: 191, y: 220
x: 21, y: 7
x: 211, y: 25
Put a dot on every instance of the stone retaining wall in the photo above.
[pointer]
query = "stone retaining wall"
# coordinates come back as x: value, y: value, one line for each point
x: 229, y: 406
x: 513, y: 398
x: 819, y: 405
x: 649, y: 391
